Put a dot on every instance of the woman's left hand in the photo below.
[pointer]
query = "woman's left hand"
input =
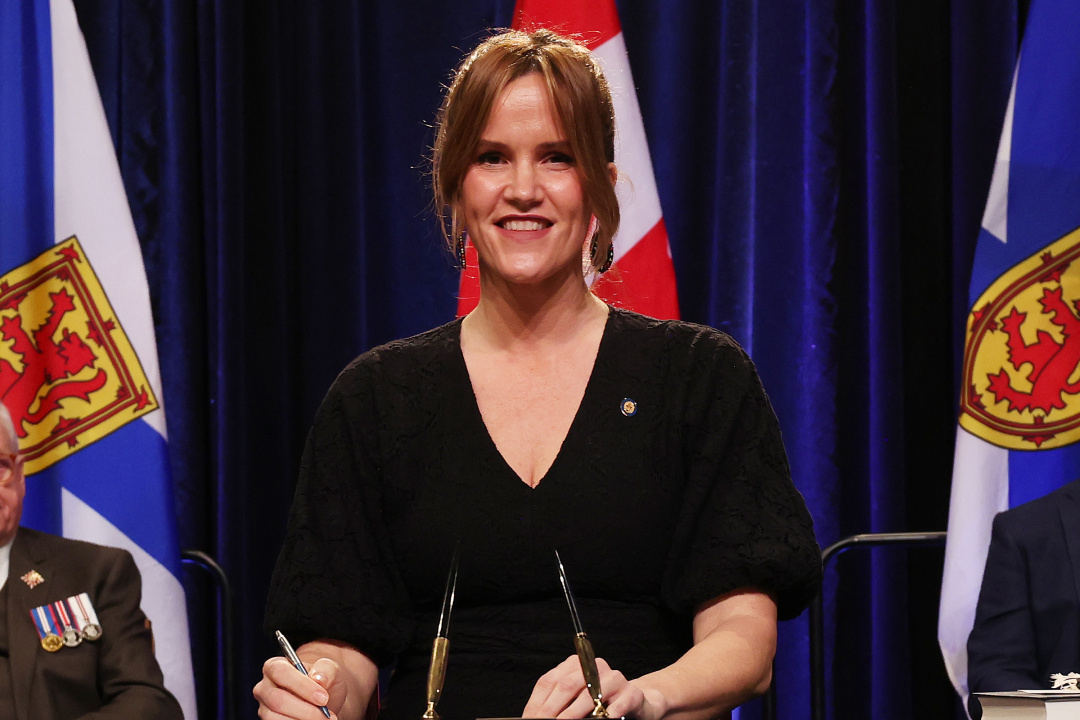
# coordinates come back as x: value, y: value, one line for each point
x: 561, y: 693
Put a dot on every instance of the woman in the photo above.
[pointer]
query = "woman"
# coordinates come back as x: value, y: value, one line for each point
x: 646, y: 452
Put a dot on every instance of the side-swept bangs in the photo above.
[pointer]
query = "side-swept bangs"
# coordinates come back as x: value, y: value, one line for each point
x: 581, y: 98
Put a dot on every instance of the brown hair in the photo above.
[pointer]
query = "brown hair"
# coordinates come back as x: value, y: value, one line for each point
x: 582, y: 101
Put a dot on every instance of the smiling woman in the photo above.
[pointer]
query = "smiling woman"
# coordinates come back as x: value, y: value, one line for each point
x: 523, y: 206
x: 521, y: 199
x: 577, y: 105
x: 644, y: 451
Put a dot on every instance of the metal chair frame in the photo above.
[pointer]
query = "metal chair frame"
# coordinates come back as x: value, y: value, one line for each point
x: 817, y: 605
x: 225, y: 621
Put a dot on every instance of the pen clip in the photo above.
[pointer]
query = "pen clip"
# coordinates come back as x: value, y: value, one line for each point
x: 287, y: 648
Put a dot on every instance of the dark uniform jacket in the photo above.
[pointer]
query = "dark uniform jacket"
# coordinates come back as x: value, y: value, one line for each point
x: 114, y: 677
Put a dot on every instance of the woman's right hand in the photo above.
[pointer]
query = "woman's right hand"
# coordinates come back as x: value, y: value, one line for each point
x: 341, y: 678
x: 285, y: 692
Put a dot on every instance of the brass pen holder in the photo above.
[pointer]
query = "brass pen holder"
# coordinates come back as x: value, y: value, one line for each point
x: 592, y: 679
x: 440, y: 650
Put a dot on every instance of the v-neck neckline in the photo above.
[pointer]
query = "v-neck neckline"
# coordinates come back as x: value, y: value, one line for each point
x: 590, y: 384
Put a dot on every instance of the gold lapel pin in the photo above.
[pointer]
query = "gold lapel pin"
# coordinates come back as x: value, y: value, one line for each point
x: 32, y: 579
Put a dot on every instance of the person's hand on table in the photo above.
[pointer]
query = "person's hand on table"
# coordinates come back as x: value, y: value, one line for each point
x: 561, y: 693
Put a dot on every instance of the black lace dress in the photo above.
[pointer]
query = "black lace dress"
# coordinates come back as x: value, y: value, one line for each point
x: 671, y: 488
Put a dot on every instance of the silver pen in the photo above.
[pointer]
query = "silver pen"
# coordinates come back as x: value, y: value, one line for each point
x: 295, y: 660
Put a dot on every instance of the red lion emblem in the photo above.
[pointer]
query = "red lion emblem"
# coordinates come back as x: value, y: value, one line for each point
x: 47, y: 362
x: 1018, y: 394
x: 1052, y: 362
x: 68, y: 372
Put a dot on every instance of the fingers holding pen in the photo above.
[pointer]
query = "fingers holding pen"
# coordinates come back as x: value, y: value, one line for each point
x: 556, y: 691
x: 630, y: 701
x: 561, y: 692
x: 327, y: 673
x: 285, y: 692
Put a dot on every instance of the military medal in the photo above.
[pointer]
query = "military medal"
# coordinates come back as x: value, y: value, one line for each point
x: 85, y: 617
x: 66, y: 622
x: 47, y: 628
x: 71, y: 635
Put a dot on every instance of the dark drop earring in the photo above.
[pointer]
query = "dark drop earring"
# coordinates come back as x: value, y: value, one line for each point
x: 608, y: 260
x: 459, y: 250
x: 594, y: 246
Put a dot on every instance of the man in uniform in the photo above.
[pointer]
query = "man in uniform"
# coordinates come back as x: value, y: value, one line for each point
x: 73, y: 640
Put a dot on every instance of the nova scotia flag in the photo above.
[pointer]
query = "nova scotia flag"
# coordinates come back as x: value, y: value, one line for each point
x: 78, y: 360
x: 1020, y: 397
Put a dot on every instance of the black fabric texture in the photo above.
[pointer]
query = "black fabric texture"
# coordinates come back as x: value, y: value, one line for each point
x: 655, y: 512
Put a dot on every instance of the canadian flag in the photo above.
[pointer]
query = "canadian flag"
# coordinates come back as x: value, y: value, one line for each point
x: 643, y: 277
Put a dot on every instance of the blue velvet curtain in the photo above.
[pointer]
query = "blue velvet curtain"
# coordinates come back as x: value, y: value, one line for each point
x: 822, y: 167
